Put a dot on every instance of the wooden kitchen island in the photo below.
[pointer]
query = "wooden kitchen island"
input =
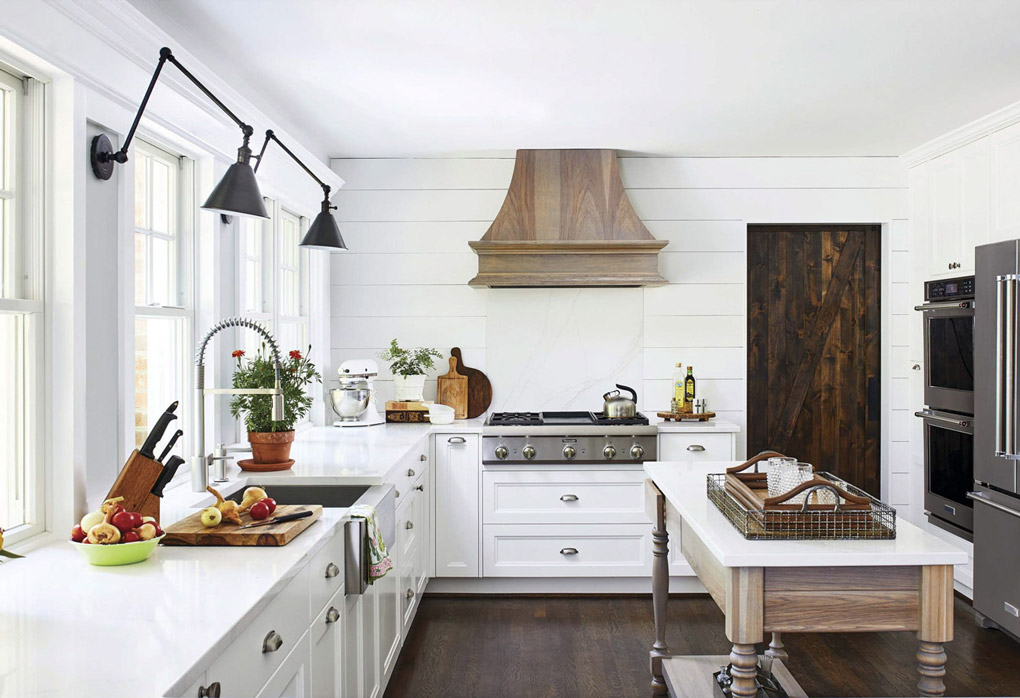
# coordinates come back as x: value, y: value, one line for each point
x: 792, y: 586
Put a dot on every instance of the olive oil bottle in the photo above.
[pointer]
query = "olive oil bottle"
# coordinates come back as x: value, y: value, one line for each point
x: 678, y: 388
x: 689, y: 390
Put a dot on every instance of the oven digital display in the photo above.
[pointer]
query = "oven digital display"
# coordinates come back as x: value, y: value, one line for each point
x: 951, y: 288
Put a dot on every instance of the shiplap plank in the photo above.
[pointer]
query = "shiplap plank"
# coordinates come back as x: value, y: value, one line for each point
x: 412, y: 237
x: 418, y: 301
x: 420, y: 205
x: 703, y: 267
x: 708, y: 362
x: 761, y: 173
x: 718, y: 394
x: 474, y: 356
x: 700, y: 236
x: 771, y: 205
x: 403, y: 269
x: 696, y: 299
x: 424, y: 173
x: 695, y: 331
x: 436, y: 332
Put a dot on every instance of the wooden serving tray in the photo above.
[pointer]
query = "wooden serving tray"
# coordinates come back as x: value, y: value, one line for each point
x: 681, y: 416
x: 190, y: 531
x: 751, y: 489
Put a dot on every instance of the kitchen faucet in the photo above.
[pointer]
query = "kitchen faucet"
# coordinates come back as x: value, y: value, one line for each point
x: 201, y: 461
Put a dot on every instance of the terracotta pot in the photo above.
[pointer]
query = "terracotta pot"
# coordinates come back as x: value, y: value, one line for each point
x: 270, y: 446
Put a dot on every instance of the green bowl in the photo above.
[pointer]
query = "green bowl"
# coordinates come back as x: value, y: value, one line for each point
x: 118, y: 553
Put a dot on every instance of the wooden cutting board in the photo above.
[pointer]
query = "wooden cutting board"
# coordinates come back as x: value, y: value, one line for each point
x: 190, y: 531
x: 453, y: 391
x: 479, y: 387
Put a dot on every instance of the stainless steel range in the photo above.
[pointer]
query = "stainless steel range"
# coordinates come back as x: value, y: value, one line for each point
x: 566, y: 437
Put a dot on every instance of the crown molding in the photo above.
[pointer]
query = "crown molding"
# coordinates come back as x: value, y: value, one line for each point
x: 979, y: 128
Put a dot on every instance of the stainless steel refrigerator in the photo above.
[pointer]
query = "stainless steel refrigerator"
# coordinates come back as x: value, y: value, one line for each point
x: 996, y: 494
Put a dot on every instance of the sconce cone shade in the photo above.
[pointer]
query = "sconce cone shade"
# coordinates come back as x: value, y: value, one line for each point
x: 238, y: 193
x: 324, y: 233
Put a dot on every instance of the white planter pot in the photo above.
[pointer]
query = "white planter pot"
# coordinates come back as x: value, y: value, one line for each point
x: 409, y: 388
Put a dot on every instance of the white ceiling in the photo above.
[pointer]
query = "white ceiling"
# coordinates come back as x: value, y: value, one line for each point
x: 392, y: 78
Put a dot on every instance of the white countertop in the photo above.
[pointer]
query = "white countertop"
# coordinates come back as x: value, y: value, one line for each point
x: 714, y: 425
x: 70, y: 629
x: 684, y: 485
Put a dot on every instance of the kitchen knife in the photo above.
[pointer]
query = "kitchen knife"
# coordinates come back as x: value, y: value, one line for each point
x: 166, y: 475
x: 157, y: 431
x: 170, y: 444
x: 281, y: 519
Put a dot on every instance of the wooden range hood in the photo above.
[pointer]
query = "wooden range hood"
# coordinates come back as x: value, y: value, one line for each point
x: 566, y: 221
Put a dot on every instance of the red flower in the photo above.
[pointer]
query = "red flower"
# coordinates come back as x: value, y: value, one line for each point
x: 295, y: 354
x: 237, y: 353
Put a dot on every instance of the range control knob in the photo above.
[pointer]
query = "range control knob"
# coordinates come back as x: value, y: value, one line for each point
x: 502, y: 452
x: 609, y: 452
x: 528, y: 451
x: 569, y: 452
x: 636, y: 452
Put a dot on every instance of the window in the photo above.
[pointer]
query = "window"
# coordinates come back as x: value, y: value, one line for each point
x: 21, y: 306
x: 164, y: 315
x: 273, y: 279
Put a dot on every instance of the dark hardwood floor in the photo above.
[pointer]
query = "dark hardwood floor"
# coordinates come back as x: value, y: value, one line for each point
x: 553, y: 647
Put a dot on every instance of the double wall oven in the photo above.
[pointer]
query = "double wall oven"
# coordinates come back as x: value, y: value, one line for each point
x: 948, y: 417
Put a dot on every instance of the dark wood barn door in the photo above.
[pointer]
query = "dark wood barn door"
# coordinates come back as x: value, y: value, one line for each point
x: 813, y: 359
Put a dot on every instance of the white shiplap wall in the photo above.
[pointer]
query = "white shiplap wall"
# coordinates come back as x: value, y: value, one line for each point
x: 407, y: 223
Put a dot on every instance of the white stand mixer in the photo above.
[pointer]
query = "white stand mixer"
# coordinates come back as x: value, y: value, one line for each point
x: 353, y: 401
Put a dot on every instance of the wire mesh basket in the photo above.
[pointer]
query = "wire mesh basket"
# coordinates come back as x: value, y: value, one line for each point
x: 878, y: 523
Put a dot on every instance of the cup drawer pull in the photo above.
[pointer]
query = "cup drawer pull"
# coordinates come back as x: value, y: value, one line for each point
x: 568, y: 551
x: 697, y: 448
x: 332, y: 615
x: 272, y: 642
x: 568, y: 498
x: 410, y: 472
x: 210, y: 691
x: 332, y: 570
x: 456, y: 440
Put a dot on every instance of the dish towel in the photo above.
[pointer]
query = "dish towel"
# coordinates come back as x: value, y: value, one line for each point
x: 379, y: 562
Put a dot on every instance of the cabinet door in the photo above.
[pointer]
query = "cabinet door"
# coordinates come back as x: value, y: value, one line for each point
x: 1004, y: 150
x: 389, y: 622
x: 352, y: 669
x: 946, y: 212
x: 293, y: 678
x: 976, y: 196
x: 326, y: 636
x: 457, y: 505
x: 370, y: 641
x: 681, y: 446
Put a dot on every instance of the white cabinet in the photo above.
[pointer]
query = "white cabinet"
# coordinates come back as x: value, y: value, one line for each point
x: 563, y: 497
x: 293, y: 678
x: 1004, y: 148
x: 959, y: 208
x: 697, y: 446
x: 326, y: 639
x: 457, y: 498
x: 351, y: 671
x: 369, y: 640
x: 585, y: 550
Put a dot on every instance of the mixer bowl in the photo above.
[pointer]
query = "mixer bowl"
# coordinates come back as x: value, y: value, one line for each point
x: 349, y: 403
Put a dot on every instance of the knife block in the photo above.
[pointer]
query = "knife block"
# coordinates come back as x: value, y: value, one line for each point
x: 135, y: 483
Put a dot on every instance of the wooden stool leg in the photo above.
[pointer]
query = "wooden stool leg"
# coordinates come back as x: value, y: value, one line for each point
x: 744, y: 659
x: 660, y: 595
x: 776, y: 648
x: 931, y: 666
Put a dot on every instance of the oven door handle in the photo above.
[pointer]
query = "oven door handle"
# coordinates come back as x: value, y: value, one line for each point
x: 979, y: 497
x: 945, y: 305
x: 925, y: 414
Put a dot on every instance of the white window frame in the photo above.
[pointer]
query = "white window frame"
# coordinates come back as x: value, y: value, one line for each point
x: 23, y: 283
x: 184, y: 219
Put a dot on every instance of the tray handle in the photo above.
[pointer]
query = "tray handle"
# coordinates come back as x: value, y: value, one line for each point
x: 764, y: 455
x: 812, y: 485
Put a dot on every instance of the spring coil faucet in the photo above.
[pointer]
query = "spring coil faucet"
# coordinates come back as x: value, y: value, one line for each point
x: 200, y: 461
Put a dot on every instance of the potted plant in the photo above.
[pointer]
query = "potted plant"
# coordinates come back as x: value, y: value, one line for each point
x: 270, y: 441
x: 408, y: 367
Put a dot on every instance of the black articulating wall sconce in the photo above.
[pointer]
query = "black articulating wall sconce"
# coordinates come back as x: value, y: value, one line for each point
x: 236, y: 194
x: 323, y: 233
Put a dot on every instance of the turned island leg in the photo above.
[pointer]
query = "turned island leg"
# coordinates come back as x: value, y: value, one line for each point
x: 660, y: 584
x: 935, y: 627
x: 776, y: 648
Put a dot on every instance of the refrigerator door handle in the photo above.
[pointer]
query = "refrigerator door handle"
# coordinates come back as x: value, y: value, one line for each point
x: 1005, y: 365
x: 979, y: 497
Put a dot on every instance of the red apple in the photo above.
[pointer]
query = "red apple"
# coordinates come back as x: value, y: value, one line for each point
x: 126, y: 520
x: 271, y: 502
x: 129, y: 537
x: 78, y: 534
x: 259, y: 510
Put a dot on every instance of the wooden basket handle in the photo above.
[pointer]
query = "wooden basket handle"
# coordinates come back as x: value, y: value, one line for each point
x: 764, y: 455
x: 815, y: 482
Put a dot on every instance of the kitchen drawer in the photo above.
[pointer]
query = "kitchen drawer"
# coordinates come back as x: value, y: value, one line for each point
x: 997, y: 560
x: 585, y: 550
x: 554, y: 497
x: 410, y: 469
x: 244, y: 668
x: 326, y: 571
x: 408, y: 531
x: 695, y: 446
x: 327, y: 620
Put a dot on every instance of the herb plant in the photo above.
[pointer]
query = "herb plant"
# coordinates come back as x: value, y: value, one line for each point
x: 409, y: 362
x: 296, y: 372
